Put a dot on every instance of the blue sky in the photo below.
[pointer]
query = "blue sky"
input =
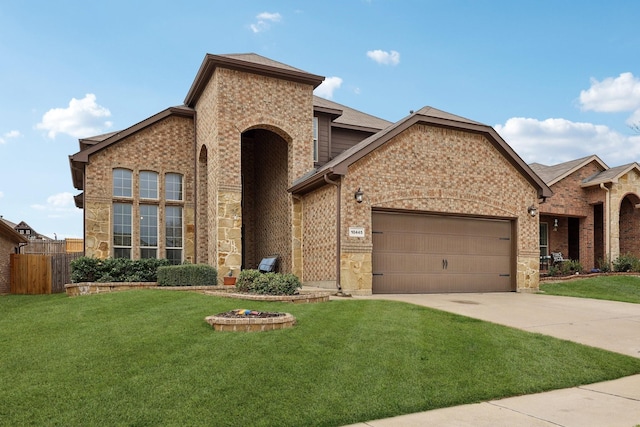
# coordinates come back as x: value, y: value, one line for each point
x: 558, y: 80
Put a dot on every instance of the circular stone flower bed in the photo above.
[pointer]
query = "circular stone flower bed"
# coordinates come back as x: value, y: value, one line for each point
x: 242, y: 320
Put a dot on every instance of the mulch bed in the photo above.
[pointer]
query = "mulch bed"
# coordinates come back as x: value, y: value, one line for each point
x: 243, y: 314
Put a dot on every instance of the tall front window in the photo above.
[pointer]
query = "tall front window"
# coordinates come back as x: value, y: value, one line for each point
x: 173, y: 186
x: 122, y: 183
x: 544, y: 239
x: 121, y: 230
x: 315, y: 139
x: 173, y: 233
x: 148, y: 185
x: 148, y: 231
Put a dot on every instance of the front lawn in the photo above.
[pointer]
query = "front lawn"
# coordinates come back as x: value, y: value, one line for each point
x: 615, y: 288
x: 148, y: 358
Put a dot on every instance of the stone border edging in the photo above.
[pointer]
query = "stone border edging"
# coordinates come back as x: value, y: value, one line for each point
x: 91, y: 288
x: 301, y: 298
x: 250, y: 324
x: 583, y: 276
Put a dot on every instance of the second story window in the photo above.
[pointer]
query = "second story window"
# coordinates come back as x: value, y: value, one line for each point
x: 148, y: 185
x: 122, y: 183
x: 173, y: 186
x: 315, y: 140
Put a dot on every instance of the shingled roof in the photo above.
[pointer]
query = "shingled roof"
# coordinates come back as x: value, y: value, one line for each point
x: 347, y: 117
x: 552, y: 174
x: 427, y: 115
x: 610, y: 175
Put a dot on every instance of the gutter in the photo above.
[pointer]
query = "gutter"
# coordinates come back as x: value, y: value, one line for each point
x: 338, y: 222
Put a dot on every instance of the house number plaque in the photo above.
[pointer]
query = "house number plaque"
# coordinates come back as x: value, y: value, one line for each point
x: 356, y: 232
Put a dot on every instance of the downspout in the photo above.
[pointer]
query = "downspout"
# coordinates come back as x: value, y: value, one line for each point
x: 338, y: 221
x: 607, y: 225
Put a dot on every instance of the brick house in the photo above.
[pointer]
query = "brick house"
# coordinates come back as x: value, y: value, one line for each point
x: 592, y: 216
x: 253, y: 164
x: 10, y: 241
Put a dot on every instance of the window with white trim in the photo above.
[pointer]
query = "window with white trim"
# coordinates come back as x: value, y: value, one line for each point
x: 122, y: 230
x: 148, y: 231
x: 315, y: 140
x: 148, y: 185
x: 122, y: 183
x: 173, y: 186
x: 544, y: 239
x: 173, y: 234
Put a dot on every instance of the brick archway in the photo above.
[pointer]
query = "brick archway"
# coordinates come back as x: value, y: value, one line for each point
x: 629, y: 225
x: 266, y: 204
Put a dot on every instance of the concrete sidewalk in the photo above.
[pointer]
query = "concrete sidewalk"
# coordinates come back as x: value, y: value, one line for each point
x: 610, y: 325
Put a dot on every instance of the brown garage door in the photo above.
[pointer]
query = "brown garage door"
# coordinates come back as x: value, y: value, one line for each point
x: 438, y: 254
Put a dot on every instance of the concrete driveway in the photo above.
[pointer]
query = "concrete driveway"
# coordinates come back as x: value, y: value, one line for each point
x: 610, y: 325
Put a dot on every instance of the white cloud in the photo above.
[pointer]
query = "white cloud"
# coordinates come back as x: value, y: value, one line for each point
x: 554, y: 141
x: 9, y: 135
x: 327, y: 87
x: 613, y: 95
x: 264, y: 21
x: 57, y: 204
x: 384, y: 57
x: 83, y: 118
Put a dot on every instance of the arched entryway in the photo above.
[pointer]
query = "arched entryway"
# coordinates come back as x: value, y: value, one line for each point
x: 266, y: 204
x: 629, y: 225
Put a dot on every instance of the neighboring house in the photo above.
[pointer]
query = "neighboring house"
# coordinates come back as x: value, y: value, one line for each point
x: 10, y: 241
x: 25, y: 229
x: 253, y: 164
x: 593, y: 215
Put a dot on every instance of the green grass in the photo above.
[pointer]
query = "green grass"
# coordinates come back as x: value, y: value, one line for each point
x: 614, y: 288
x: 148, y: 358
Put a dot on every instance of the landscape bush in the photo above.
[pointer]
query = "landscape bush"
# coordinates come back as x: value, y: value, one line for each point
x: 255, y: 282
x: 626, y: 263
x: 88, y: 269
x: 187, y: 275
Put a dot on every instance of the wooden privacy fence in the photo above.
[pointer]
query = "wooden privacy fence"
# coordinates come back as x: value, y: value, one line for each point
x: 40, y: 274
x: 68, y: 245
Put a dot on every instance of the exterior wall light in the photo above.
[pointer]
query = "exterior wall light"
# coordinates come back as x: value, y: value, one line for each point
x: 359, y: 195
x: 555, y: 224
x: 532, y: 210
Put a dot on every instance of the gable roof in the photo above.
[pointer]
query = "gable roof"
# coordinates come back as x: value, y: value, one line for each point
x: 347, y: 117
x: 248, y: 62
x: 552, y: 174
x: 611, y: 175
x: 429, y: 116
x: 89, y: 146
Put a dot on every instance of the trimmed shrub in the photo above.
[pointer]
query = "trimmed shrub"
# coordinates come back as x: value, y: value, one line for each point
x: 187, y: 275
x: 86, y: 269
x: 246, y: 279
x: 255, y: 282
x: 570, y: 266
x: 625, y: 263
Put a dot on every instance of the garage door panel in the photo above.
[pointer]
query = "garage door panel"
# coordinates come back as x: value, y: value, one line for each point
x: 392, y: 242
x: 427, y: 254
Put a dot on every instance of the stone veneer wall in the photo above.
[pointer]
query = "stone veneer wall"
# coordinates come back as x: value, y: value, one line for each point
x: 628, y: 185
x: 164, y: 147
x: 233, y: 102
x: 433, y: 169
